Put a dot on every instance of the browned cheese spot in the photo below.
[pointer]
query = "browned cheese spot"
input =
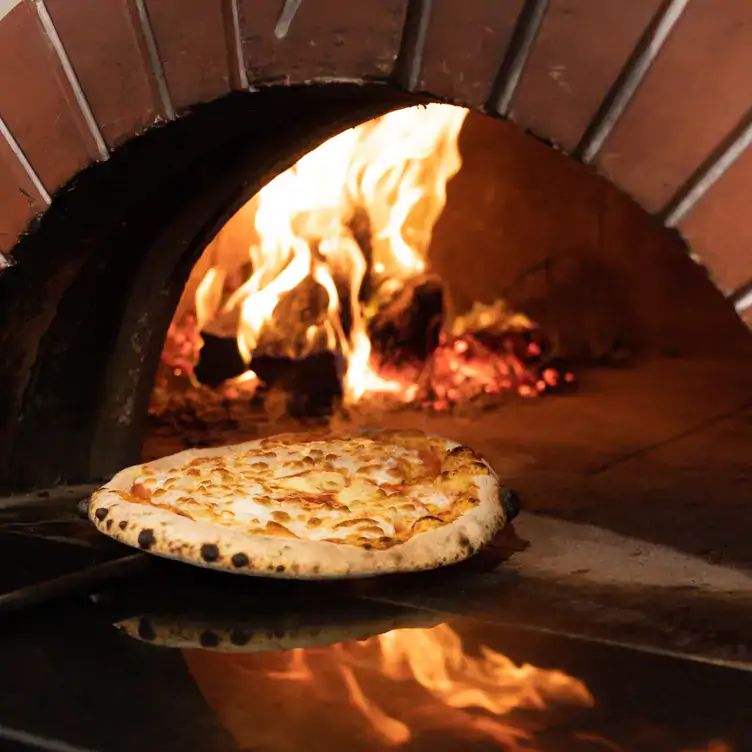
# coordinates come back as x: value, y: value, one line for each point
x: 140, y: 491
x: 274, y: 528
x: 356, y: 521
x: 424, y: 524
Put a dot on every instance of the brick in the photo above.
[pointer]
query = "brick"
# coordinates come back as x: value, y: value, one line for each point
x: 37, y: 104
x: 196, y: 48
x: 111, y: 65
x: 580, y: 50
x: 338, y: 39
x: 695, y: 93
x: 465, y: 47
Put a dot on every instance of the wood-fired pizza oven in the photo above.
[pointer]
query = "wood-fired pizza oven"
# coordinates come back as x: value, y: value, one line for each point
x: 603, y: 192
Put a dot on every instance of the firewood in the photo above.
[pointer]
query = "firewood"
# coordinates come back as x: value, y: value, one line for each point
x: 313, y: 383
x: 219, y: 360
x: 408, y: 325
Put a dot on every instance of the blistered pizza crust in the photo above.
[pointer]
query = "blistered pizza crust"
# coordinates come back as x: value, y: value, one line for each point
x: 308, y: 507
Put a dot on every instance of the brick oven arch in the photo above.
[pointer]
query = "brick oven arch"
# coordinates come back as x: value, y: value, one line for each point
x: 652, y: 94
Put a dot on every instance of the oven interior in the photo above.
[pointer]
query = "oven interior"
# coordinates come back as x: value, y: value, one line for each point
x: 618, y: 408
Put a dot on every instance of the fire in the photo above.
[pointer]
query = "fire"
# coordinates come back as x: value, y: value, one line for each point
x: 304, y: 254
x: 332, y: 256
x: 468, y: 694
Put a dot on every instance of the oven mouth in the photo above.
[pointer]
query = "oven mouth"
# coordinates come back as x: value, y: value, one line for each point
x: 657, y: 420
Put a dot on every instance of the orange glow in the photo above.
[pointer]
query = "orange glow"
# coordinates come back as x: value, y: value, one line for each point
x: 330, y: 254
x: 464, y: 693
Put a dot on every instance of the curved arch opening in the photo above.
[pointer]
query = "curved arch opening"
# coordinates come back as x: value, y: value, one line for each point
x: 660, y: 357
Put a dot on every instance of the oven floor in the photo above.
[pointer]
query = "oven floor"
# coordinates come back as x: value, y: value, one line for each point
x: 73, y: 680
x: 629, y: 570
x: 658, y: 451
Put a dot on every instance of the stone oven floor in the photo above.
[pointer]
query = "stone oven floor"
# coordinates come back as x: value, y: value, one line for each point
x: 629, y: 568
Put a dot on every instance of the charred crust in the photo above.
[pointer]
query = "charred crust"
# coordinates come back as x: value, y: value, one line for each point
x: 123, y: 524
x: 102, y: 513
x: 316, y: 569
x: 209, y: 552
x: 146, y: 539
x: 510, y: 502
x: 280, y: 568
x: 464, y: 542
x: 240, y: 560
x: 146, y: 630
x: 208, y: 639
x: 238, y: 638
x: 458, y: 451
x: 462, y: 452
x: 108, y: 524
x: 460, y: 459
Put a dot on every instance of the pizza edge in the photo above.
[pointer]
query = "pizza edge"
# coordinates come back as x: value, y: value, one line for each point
x: 252, y: 638
x: 167, y: 534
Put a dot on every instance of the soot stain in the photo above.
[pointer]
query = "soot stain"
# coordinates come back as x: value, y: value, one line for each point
x: 146, y: 630
x: 146, y: 539
x: 209, y: 639
x: 240, y: 560
x: 239, y: 638
x: 209, y: 552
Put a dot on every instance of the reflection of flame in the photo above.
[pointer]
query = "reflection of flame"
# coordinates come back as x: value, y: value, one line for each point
x: 434, y: 658
x: 394, y: 169
x: 461, y: 692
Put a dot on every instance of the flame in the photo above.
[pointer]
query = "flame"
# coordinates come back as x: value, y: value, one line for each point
x: 305, y: 254
x: 332, y: 256
x: 465, y: 693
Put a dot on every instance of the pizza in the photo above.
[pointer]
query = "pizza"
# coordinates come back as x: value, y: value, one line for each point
x: 265, y: 634
x: 309, y: 506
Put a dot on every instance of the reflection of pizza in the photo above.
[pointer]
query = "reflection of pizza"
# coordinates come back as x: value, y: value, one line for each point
x: 264, y: 633
x: 308, y: 506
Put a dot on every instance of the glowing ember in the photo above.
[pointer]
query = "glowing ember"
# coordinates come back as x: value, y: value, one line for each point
x: 467, y: 694
x: 321, y: 260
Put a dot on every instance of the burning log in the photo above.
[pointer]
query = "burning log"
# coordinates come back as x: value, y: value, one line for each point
x: 312, y: 384
x: 219, y: 360
x: 407, y: 327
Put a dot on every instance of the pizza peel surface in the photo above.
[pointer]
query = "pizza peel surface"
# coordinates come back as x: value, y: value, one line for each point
x: 308, y: 506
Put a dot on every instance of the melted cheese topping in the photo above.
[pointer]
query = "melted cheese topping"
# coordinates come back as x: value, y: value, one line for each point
x: 360, y: 491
